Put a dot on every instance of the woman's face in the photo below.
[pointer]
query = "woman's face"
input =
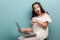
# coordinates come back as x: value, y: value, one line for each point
x: 36, y: 8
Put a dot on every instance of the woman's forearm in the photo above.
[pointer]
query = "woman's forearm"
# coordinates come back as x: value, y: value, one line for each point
x: 27, y: 29
x: 43, y: 24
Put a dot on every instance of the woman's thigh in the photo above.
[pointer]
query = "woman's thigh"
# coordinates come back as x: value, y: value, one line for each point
x: 30, y: 38
x: 23, y: 38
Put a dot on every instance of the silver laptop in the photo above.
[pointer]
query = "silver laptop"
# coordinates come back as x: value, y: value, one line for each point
x: 26, y: 34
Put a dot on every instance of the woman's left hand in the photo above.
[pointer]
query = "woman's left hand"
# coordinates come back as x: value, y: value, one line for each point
x: 34, y: 21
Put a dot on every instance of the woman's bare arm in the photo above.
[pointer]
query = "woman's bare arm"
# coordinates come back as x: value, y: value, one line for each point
x: 43, y: 24
x: 26, y: 29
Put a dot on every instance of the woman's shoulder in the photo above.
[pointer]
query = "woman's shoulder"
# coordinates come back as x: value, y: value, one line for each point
x: 45, y: 14
x: 33, y: 17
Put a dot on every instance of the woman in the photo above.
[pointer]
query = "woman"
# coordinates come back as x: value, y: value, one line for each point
x: 40, y: 21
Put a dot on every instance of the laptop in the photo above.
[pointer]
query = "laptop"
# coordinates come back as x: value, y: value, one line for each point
x: 26, y: 34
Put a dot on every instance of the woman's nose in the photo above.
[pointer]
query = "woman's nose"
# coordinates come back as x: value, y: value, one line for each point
x: 37, y: 8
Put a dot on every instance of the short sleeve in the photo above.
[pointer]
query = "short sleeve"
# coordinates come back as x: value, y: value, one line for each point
x: 47, y: 18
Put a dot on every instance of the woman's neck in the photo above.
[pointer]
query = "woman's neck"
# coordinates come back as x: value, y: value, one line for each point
x: 40, y: 14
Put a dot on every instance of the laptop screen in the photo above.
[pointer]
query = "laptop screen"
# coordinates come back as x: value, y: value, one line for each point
x: 18, y: 27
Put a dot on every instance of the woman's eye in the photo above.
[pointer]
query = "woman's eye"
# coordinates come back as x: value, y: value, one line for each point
x: 34, y: 8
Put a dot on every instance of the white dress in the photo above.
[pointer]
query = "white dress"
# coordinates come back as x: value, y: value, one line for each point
x: 41, y: 33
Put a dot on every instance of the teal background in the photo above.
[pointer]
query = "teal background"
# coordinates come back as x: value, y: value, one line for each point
x: 20, y: 11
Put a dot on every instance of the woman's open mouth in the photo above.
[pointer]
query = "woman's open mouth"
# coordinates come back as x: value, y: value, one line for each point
x: 38, y: 11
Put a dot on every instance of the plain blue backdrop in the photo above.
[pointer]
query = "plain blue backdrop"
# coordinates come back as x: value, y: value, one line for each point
x: 21, y: 11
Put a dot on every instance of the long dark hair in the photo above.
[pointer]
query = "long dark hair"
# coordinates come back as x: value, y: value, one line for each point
x: 41, y: 8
